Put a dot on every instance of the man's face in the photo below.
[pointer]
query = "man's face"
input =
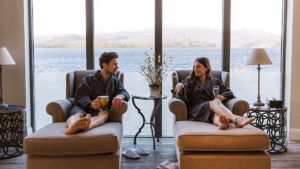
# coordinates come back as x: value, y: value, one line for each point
x: 112, y: 67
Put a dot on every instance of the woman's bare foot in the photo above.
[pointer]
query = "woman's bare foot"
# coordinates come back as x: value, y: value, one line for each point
x: 242, y: 121
x: 79, y: 125
x: 223, y: 122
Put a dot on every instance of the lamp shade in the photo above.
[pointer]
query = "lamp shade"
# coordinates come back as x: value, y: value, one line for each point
x: 5, y: 57
x: 258, y: 57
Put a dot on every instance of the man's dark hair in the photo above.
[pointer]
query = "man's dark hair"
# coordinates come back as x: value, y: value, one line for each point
x: 106, y: 57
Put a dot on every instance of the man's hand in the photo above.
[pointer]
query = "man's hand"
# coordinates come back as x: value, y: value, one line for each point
x: 220, y: 97
x: 178, y: 88
x: 117, y: 102
x: 95, y: 104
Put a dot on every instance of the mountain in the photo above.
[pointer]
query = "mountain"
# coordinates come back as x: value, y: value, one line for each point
x: 172, y: 37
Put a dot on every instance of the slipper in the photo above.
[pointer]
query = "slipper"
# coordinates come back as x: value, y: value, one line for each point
x: 163, y: 164
x: 130, y: 153
x: 139, y: 149
x: 171, y: 166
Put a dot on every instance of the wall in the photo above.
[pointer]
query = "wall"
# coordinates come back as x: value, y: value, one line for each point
x: 293, y: 69
x: 14, y: 36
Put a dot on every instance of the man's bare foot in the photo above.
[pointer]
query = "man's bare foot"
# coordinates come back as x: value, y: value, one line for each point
x: 223, y: 122
x: 79, y: 125
x: 242, y: 121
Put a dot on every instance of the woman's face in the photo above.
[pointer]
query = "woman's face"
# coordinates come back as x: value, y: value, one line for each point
x: 199, y: 69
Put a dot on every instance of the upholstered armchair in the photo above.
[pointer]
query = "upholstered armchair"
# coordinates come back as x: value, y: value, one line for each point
x: 59, y: 109
x: 98, y: 148
x: 178, y: 107
x: 202, y: 145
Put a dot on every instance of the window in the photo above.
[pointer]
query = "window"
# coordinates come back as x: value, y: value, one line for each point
x: 259, y: 29
x: 59, y: 47
x: 191, y: 32
x: 127, y: 28
x: 191, y: 29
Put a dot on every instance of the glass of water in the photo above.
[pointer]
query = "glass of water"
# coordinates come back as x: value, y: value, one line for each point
x: 216, y: 90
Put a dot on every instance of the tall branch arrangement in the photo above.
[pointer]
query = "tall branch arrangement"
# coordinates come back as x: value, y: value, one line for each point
x: 154, y: 76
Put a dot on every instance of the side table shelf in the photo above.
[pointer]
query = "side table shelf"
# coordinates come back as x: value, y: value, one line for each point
x: 273, y: 122
x: 12, y: 132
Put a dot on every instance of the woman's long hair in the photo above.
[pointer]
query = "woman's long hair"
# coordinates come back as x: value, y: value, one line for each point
x: 192, y: 77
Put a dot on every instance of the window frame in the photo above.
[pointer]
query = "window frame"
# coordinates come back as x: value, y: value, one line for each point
x: 226, y: 30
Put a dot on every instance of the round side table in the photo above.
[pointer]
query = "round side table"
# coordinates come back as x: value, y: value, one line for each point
x: 151, y: 123
x: 12, y: 131
x: 273, y: 122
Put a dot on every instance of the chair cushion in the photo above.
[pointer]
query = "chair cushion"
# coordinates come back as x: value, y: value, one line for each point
x: 52, y: 140
x: 199, y: 136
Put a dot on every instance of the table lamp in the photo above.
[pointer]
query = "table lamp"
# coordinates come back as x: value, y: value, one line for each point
x: 258, y: 57
x: 5, y: 59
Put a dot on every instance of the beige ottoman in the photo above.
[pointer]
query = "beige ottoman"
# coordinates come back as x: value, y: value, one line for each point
x: 203, y: 146
x: 98, y: 148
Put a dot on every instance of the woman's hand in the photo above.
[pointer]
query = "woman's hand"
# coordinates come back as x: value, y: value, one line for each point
x: 178, y: 88
x: 220, y: 97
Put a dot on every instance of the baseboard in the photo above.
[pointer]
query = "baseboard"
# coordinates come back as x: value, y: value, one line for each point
x: 294, y: 134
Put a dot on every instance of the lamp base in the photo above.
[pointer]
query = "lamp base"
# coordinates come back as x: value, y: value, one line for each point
x: 259, y: 104
x: 3, y: 105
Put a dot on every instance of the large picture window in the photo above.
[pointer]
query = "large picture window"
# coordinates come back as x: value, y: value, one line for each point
x: 190, y: 29
x: 187, y: 35
x: 59, y: 47
x: 259, y: 29
x: 127, y: 28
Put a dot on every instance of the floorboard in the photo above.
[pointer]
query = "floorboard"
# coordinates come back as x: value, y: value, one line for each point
x: 165, y: 151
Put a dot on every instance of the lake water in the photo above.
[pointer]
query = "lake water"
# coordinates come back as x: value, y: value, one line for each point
x: 130, y: 59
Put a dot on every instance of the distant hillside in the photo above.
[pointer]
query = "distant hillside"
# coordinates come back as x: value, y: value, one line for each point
x: 172, y: 37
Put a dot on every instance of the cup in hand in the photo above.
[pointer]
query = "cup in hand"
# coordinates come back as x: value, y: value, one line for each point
x: 103, y: 101
x: 216, y: 90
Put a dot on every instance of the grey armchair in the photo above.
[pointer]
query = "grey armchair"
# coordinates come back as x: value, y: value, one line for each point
x: 98, y: 148
x: 60, y: 108
x: 178, y: 107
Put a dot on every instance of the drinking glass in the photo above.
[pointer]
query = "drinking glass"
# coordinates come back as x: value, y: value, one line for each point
x: 216, y: 90
x: 103, y: 102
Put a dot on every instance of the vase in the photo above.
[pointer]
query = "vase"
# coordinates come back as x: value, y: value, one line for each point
x: 155, y: 91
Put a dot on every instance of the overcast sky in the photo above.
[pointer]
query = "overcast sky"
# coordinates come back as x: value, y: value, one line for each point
x: 68, y: 16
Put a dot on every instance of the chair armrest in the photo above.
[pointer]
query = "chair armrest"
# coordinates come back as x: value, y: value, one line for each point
x: 117, y: 114
x: 59, y: 109
x: 178, y: 108
x: 237, y: 106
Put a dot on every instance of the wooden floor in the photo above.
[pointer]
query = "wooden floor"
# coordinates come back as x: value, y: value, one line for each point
x: 165, y: 151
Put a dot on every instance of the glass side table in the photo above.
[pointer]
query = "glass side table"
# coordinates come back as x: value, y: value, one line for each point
x: 273, y: 122
x: 12, y: 131
x: 151, y: 123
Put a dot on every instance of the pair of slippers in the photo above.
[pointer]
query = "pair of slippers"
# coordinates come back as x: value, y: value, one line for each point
x: 135, y: 153
x: 167, y: 165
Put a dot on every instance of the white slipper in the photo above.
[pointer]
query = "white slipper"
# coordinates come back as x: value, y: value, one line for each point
x: 130, y: 153
x: 139, y: 149
x: 171, y: 166
x: 163, y: 164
